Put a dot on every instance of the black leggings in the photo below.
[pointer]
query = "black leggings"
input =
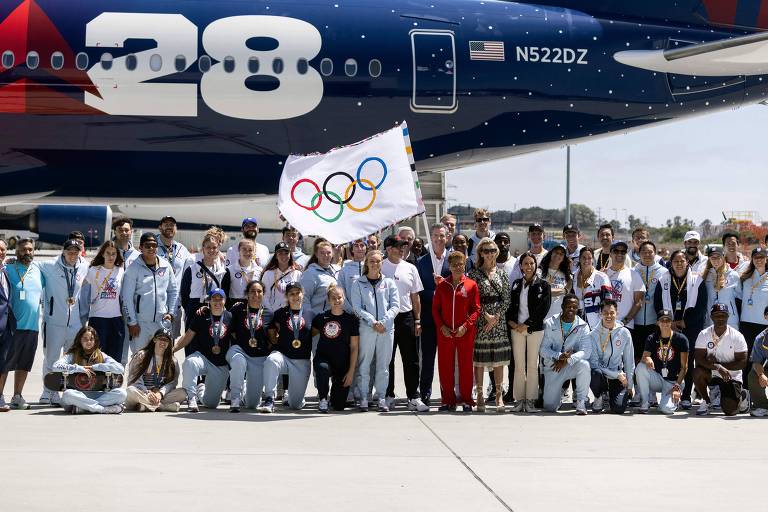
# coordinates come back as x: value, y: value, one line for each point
x: 406, y: 340
x: 326, y: 370
x: 618, y: 396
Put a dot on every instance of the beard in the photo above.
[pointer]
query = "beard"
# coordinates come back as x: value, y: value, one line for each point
x: 26, y: 259
x: 692, y: 251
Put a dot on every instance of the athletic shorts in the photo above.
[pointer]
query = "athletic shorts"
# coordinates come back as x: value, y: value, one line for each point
x: 20, y: 351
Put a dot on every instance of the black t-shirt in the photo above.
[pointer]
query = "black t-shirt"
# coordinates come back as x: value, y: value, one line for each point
x: 241, y: 333
x: 335, y: 334
x: 281, y: 322
x: 203, y: 326
x: 679, y: 344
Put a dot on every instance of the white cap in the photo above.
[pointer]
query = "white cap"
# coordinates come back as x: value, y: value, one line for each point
x: 692, y: 235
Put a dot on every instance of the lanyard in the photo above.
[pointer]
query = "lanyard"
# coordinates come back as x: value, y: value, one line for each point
x: 565, y: 336
x: 216, y: 329
x: 647, y: 280
x: 604, y: 265
x: 603, y: 345
x: 246, y: 274
x: 296, y: 321
x: 584, y: 283
x: 170, y: 254
x: 252, y: 326
x: 665, y: 350
x: 680, y: 287
x: 71, y: 278
x: 754, y: 286
x: 282, y: 276
x: 158, y: 366
x: 20, y: 276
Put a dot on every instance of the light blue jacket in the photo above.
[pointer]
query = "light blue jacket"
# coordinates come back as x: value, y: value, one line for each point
x: 315, y: 280
x: 56, y: 310
x: 577, y: 341
x: 147, y: 295
x: 650, y: 276
x: 379, y: 305
x: 349, y: 273
x: 619, y: 353
x: 65, y: 365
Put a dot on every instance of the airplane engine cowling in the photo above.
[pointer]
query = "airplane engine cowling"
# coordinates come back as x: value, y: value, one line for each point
x: 54, y: 222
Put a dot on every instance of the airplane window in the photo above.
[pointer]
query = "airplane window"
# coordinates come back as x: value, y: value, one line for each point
x: 156, y: 62
x: 81, y: 61
x: 326, y: 67
x: 106, y: 61
x: 33, y: 60
x: 374, y: 68
x: 204, y: 64
x: 253, y: 65
x: 350, y: 67
x: 131, y: 62
x: 277, y: 65
x: 302, y: 66
x: 180, y: 63
x: 229, y: 64
x: 57, y: 60
x: 8, y: 59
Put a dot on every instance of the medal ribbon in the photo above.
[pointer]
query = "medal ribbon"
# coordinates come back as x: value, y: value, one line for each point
x: 251, y: 324
x: 296, y: 322
x: 665, y: 350
x: 71, y: 281
x: 216, y: 330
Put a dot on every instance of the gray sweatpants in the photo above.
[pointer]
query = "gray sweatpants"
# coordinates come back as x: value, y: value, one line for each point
x: 56, y: 339
x: 553, y: 383
x: 650, y: 381
x: 93, y: 401
x: 194, y: 366
x: 378, y: 345
x: 275, y: 365
x: 241, y: 364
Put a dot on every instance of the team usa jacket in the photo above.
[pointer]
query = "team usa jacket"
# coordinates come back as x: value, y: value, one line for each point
x: 148, y: 294
x: 58, y: 278
x: 612, y: 352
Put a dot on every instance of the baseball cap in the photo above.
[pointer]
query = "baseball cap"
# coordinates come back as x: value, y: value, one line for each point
x: 501, y: 235
x: 71, y: 244
x: 719, y: 307
x: 282, y: 246
x: 147, y: 237
x: 394, y: 241
x: 665, y: 313
x: 619, y: 243
x: 250, y: 220
x: 713, y: 249
x: 759, y: 250
x: 570, y: 227
x: 168, y: 218
x: 295, y: 285
x: 692, y: 235
x: 535, y: 227
x: 219, y: 292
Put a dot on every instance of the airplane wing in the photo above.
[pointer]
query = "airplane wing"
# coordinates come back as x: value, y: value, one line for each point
x: 745, y: 55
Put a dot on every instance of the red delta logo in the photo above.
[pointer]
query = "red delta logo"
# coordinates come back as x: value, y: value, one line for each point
x: 28, y: 36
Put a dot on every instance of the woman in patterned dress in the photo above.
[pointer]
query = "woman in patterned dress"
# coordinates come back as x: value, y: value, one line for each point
x: 492, y: 346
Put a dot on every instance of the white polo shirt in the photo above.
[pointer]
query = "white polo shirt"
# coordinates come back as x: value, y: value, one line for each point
x: 724, y: 349
x: 406, y: 278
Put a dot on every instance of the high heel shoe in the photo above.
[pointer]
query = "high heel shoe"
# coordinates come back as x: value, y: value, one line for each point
x: 480, y: 402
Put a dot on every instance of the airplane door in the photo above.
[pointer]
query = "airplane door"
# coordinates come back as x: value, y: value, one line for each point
x: 434, y: 71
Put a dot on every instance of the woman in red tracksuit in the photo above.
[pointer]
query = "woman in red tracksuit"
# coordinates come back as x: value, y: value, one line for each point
x: 455, y: 308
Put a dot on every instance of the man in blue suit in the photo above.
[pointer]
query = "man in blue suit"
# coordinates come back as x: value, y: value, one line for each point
x: 430, y: 266
x: 6, y: 317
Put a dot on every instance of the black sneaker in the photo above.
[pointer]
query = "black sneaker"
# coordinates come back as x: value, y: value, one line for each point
x: 446, y: 408
x: 267, y: 406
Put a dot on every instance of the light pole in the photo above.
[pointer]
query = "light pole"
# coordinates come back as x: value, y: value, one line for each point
x: 568, y: 184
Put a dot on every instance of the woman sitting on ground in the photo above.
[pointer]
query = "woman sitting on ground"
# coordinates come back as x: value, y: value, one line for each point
x: 153, y: 377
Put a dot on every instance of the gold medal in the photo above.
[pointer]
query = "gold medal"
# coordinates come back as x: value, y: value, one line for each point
x: 216, y: 349
x: 71, y: 301
x: 252, y: 342
x: 296, y: 344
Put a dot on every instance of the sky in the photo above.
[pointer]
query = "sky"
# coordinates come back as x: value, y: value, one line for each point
x: 695, y: 168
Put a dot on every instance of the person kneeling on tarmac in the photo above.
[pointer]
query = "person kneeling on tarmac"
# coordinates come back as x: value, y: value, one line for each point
x: 565, y: 352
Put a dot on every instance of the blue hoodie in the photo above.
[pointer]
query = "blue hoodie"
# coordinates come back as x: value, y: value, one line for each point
x: 147, y: 295
x: 619, y: 353
x: 56, y: 276
x: 315, y: 281
x: 576, y: 341
x: 381, y: 304
x: 348, y: 275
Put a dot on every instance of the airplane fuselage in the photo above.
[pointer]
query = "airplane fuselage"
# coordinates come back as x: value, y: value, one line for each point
x: 206, y: 99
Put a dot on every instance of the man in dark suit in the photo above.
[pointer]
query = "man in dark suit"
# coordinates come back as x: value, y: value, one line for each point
x: 430, y: 266
x: 6, y: 317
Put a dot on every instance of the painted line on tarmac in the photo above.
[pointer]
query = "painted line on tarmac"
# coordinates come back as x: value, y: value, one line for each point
x: 466, y: 466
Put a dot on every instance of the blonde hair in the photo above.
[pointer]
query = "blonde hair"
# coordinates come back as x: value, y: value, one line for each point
x: 719, y: 274
x: 334, y: 288
x: 217, y: 232
x: 365, y: 261
x: 482, y: 243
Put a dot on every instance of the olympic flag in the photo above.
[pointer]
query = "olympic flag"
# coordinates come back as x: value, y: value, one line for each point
x: 352, y: 191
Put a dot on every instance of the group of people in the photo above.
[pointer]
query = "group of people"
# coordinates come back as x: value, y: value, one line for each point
x: 255, y: 325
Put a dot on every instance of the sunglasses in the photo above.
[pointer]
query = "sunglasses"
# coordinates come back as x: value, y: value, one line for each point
x: 488, y: 251
x: 483, y: 219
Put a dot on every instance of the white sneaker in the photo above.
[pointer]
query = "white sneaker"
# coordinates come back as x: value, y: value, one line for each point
x: 581, y: 408
x: 172, y: 407
x: 759, y: 412
x: 417, y: 405
x: 45, y: 398
x: 192, y: 405
x: 18, y: 402
x: 703, y: 409
x: 267, y: 406
x: 565, y: 395
x: 518, y: 406
x: 323, y: 405
x: 200, y: 391
x: 383, y: 405
x: 597, y: 405
x: 391, y: 401
x: 114, y: 409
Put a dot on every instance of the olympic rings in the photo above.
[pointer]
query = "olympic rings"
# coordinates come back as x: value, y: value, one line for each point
x: 329, y: 178
x: 341, y: 206
x: 366, y: 207
x: 349, y: 193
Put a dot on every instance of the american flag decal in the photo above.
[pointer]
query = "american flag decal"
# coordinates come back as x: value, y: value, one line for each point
x: 486, y: 50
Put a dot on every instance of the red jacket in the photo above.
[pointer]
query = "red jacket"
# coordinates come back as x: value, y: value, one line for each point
x: 453, y: 307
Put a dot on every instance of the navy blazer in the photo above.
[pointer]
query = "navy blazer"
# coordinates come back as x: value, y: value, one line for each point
x: 6, y: 316
x: 424, y: 266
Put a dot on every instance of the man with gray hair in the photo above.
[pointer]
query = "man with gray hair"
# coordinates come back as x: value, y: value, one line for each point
x: 409, y: 235
x: 449, y: 221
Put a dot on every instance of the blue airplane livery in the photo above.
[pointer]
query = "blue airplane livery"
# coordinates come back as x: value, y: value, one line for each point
x: 200, y: 99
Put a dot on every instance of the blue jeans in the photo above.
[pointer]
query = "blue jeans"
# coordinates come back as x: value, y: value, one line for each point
x: 93, y: 401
